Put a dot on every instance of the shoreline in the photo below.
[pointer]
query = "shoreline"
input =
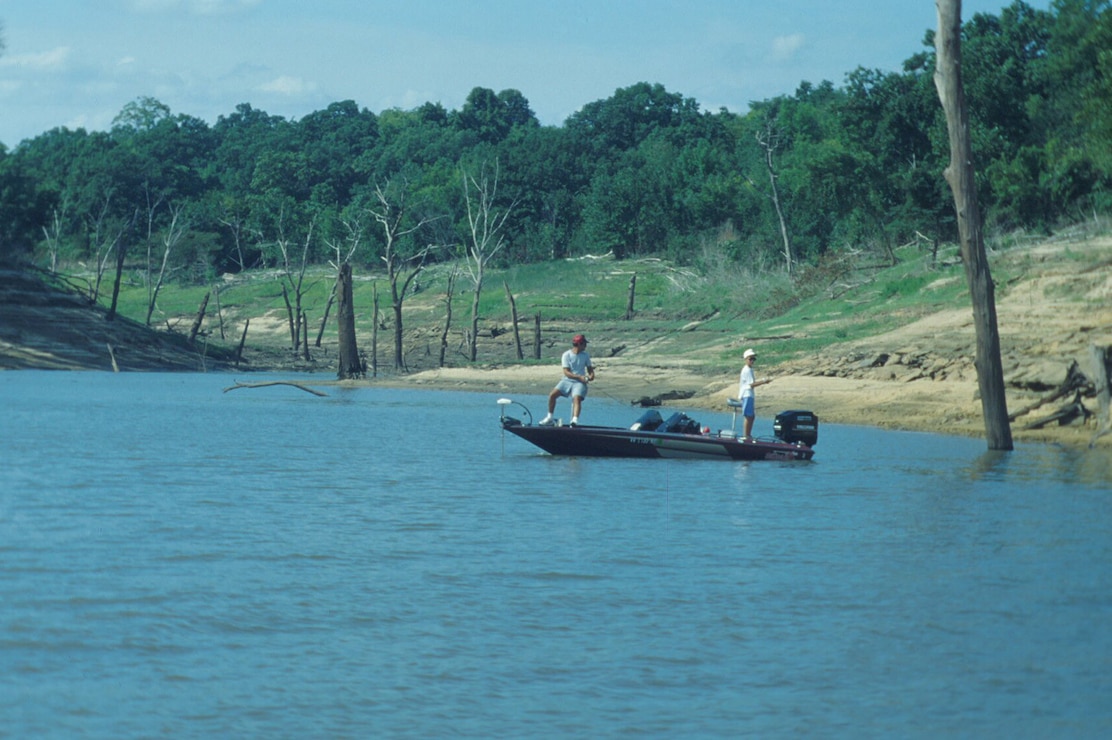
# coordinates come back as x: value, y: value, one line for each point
x: 934, y: 406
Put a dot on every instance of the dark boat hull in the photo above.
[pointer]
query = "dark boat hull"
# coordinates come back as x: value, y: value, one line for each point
x: 589, y: 441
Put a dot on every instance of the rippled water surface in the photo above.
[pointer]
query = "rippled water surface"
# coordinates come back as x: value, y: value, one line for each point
x: 176, y: 560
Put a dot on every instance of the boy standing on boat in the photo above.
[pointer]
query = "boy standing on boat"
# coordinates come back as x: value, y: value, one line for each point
x: 746, y: 383
x: 578, y: 371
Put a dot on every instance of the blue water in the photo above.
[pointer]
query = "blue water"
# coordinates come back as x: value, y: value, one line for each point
x: 179, y: 561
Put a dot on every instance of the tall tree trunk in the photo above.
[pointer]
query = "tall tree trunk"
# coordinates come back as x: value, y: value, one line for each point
x: 959, y: 174
x: 350, y: 364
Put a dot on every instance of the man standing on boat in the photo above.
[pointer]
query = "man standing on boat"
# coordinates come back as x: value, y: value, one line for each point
x: 578, y: 371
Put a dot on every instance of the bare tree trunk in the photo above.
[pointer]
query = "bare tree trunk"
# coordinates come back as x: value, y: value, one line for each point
x: 305, y: 337
x: 219, y: 313
x: 350, y: 364
x: 959, y: 174
x: 200, y: 318
x: 537, y: 338
x: 473, y: 341
x: 374, y: 332
x: 121, y: 253
x: 327, y: 311
x: 242, y: 341
x: 449, y: 291
x: 769, y: 141
x: 513, y: 318
x: 1102, y: 382
x: 289, y: 318
x: 485, y: 222
x: 632, y: 293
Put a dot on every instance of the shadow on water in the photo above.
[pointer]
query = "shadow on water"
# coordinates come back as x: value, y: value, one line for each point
x: 1045, y: 462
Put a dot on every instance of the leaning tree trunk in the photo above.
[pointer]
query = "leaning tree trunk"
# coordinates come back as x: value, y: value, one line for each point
x: 959, y: 174
x: 350, y: 366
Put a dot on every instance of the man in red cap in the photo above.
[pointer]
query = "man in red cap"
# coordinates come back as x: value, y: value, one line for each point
x: 578, y: 371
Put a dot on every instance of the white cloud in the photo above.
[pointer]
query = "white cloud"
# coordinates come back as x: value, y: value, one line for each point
x: 53, y: 59
x: 785, y: 47
x: 286, y: 85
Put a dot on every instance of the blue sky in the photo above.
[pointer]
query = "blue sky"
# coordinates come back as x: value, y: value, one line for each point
x: 77, y: 63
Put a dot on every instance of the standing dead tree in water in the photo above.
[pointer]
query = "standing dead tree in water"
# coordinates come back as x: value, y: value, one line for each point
x: 351, y: 366
x: 959, y: 174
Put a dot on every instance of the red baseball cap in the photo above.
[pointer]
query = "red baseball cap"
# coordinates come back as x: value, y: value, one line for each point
x: 579, y: 339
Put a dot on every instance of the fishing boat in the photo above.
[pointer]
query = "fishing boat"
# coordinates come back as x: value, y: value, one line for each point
x: 678, y: 436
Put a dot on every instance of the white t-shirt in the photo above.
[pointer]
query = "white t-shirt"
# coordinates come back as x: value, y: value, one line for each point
x: 745, y: 384
x: 577, y: 362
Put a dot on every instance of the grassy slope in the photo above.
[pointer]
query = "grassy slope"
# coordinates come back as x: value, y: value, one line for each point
x: 708, y: 319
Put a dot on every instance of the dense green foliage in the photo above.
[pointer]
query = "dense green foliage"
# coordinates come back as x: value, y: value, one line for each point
x: 644, y: 172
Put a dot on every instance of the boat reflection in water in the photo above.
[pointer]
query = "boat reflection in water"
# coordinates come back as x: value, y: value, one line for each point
x: 675, y: 437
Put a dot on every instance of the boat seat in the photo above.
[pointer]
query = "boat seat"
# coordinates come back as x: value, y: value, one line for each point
x: 735, y: 404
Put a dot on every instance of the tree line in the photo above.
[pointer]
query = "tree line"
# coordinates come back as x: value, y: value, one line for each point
x: 644, y: 172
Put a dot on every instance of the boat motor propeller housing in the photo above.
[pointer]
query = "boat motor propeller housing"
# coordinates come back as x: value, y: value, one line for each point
x: 797, y: 427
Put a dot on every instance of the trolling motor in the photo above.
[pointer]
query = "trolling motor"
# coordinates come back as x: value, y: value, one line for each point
x: 510, y: 421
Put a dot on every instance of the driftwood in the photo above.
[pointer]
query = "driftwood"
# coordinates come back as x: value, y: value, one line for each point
x: 1081, y: 386
x: 1065, y: 415
x: 275, y: 382
x: 647, y: 401
x: 1075, y: 381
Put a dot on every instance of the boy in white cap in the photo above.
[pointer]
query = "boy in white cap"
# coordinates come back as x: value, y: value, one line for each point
x: 578, y: 371
x: 745, y: 391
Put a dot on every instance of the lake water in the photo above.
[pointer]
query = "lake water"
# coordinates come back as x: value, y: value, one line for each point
x: 178, y: 561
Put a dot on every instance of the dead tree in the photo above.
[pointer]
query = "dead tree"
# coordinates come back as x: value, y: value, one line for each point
x: 632, y: 293
x: 242, y: 342
x: 350, y: 364
x: 959, y: 174
x: 485, y: 221
x: 537, y: 337
x: 769, y: 141
x: 393, y: 212
x: 513, y: 318
x: 449, y: 293
x: 199, y: 319
x: 175, y: 232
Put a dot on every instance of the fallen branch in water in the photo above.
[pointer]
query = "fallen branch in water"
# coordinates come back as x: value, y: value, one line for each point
x: 275, y: 382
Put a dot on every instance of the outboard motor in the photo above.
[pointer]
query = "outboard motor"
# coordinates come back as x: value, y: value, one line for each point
x: 680, y: 423
x: 797, y: 427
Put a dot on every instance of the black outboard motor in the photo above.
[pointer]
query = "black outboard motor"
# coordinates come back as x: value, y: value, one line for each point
x: 797, y: 426
x: 680, y: 423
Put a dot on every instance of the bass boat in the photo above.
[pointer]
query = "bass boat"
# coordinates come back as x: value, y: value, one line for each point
x: 678, y: 436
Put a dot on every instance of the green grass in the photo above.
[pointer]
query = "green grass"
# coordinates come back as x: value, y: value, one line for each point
x: 697, y: 312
